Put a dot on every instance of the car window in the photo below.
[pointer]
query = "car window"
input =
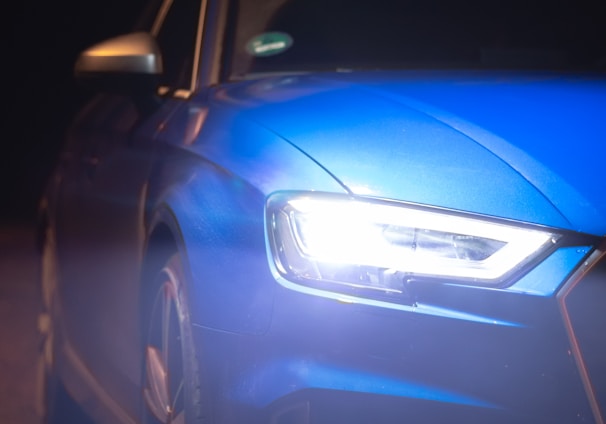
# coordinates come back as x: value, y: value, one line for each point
x: 179, y: 41
x: 309, y: 35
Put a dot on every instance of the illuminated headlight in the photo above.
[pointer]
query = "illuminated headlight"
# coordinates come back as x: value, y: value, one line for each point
x: 381, y: 245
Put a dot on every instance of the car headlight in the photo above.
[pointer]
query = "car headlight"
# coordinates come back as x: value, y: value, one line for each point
x: 371, y: 244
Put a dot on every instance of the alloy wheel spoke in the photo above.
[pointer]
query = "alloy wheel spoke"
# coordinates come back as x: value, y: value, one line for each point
x: 177, y: 398
x: 156, y: 392
x: 164, y: 391
x: 166, y: 321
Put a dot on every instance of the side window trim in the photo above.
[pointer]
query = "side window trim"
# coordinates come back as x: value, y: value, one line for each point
x: 183, y: 93
x: 166, y: 4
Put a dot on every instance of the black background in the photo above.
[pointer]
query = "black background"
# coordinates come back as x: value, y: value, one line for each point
x: 41, y: 42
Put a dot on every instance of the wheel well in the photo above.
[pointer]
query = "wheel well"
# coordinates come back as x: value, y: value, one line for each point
x: 161, y: 245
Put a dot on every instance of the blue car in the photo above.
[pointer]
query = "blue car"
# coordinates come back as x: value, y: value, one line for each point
x: 330, y: 211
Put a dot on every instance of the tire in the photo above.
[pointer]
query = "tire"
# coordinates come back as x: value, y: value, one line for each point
x: 170, y: 377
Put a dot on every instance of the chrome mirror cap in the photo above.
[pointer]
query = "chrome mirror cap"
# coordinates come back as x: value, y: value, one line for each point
x: 136, y: 53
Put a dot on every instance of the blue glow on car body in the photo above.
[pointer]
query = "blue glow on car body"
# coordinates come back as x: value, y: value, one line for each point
x: 545, y: 279
x: 547, y: 126
x: 278, y: 379
x: 286, y: 132
x: 441, y: 150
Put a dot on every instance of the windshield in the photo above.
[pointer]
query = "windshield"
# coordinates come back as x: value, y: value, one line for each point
x: 269, y: 36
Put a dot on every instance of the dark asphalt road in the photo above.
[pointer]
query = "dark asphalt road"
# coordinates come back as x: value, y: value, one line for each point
x: 19, y: 303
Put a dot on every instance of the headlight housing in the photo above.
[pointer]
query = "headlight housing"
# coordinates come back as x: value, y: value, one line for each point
x: 342, y: 242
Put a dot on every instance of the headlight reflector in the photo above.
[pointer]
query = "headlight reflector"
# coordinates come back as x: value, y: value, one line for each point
x: 378, y: 244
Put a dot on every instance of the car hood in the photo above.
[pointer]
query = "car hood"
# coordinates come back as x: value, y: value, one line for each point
x: 527, y: 147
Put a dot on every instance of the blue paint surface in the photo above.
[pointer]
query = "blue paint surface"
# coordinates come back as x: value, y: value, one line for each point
x: 277, y: 380
x: 522, y: 146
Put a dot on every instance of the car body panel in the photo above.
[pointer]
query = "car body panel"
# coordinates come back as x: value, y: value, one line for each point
x: 531, y: 373
x: 210, y: 186
x: 100, y: 217
x: 233, y: 171
x: 462, y: 141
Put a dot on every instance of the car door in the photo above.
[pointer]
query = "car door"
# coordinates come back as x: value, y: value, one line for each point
x: 100, y: 234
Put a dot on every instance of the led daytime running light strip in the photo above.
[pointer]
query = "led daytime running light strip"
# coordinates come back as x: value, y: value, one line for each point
x: 351, y: 232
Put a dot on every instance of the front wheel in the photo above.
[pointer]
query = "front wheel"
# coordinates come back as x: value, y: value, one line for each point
x: 171, y: 379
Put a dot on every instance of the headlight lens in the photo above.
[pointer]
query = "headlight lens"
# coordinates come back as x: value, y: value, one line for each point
x: 381, y: 245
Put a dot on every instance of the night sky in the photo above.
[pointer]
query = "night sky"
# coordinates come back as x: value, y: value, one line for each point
x: 41, y: 46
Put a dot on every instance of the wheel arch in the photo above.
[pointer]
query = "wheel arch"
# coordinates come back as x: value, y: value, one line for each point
x: 215, y: 221
x: 163, y: 240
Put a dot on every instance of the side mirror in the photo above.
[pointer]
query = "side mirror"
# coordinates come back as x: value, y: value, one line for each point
x: 128, y: 64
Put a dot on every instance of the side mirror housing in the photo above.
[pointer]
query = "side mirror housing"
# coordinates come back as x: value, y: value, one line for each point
x: 128, y: 64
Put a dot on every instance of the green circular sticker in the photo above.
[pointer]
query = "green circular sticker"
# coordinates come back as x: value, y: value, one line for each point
x: 269, y: 44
